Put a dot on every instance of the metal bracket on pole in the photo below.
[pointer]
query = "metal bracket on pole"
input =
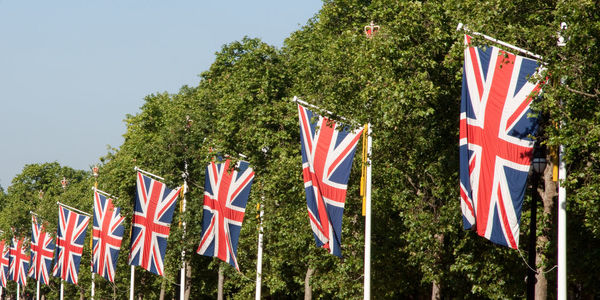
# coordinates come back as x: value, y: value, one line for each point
x: 104, y: 193
x: 331, y: 114
x: 74, y: 209
x: 497, y: 41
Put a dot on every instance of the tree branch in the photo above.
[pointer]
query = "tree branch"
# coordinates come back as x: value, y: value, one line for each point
x: 581, y: 93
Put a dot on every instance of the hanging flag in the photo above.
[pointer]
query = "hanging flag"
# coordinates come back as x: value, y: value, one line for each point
x: 496, y: 148
x: 327, y: 153
x: 4, y: 262
x: 226, y: 193
x: 107, y: 236
x: 19, y: 262
x: 42, y: 251
x: 153, y: 213
x: 69, y: 244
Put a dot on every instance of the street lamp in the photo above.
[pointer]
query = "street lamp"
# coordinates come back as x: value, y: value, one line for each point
x: 538, y: 165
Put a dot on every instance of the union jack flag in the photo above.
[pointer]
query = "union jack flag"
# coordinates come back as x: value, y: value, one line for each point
x: 19, y: 262
x: 4, y: 262
x: 107, y: 236
x: 153, y: 213
x: 42, y: 251
x: 495, y: 141
x: 69, y: 243
x: 225, y: 196
x: 327, y: 153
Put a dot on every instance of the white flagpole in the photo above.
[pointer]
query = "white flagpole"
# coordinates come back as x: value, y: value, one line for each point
x: 132, y: 281
x: 37, y: 290
x: 182, y: 280
x: 259, y: 254
x: 367, y: 278
x: 562, y: 208
x: 93, y: 284
x: 62, y: 289
x: 18, y: 291
x: 95, y: 189
x: 562, y: 226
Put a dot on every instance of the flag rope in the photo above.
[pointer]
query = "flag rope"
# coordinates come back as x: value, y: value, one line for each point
x: 531, y: 268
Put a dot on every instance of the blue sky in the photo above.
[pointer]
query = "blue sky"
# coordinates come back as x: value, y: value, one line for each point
x: 71, y: 70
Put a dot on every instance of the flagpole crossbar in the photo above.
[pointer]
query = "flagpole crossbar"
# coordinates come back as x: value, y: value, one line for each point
x: 302, y: 102
x: 74, y: 209
x: 38, y: 218
x: 148, y: 173
x: 226, y: 156
x: 497, y: 41
x: 104, y: 193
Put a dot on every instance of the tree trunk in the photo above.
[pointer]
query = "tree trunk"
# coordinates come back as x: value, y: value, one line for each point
x: 162, y: 290
x: 307, y: 289
x: 220, y: 286
x: 188, y: 281
x: 548, y: 195
x: 436, y: 292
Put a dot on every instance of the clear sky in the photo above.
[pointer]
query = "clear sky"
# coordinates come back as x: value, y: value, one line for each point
x: 71, y: 70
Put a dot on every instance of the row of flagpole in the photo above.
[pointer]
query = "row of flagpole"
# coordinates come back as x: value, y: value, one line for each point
x: 367, y: 258
x: 368, y: 214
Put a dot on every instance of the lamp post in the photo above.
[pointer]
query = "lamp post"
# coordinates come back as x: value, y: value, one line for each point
x: 538, y: 165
